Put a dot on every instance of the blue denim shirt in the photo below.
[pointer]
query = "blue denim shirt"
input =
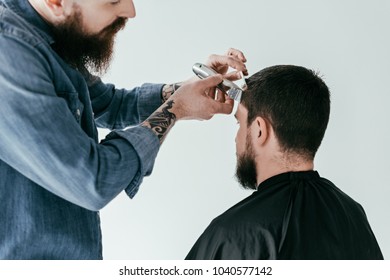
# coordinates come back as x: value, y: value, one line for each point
x: 54, y: 175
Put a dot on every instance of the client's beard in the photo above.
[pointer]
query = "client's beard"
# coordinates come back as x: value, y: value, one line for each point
x: 83, y: 50
x: 246, y: 172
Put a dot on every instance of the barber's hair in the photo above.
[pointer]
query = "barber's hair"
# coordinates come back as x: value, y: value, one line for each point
x: 296, y: 103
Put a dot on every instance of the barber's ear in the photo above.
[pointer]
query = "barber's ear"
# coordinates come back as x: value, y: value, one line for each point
x: 56, y: 7
x: 260, y: 130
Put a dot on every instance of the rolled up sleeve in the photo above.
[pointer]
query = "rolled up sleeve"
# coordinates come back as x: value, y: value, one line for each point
x: 146, y: 145
x: 119, y: 108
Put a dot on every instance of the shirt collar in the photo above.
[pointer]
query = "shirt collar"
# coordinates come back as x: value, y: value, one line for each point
x: 24, y: 9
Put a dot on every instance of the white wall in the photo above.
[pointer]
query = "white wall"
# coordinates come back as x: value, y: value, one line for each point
x: 192, y: 182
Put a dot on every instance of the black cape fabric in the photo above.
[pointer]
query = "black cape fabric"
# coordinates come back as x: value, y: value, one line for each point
x: 295, y: 215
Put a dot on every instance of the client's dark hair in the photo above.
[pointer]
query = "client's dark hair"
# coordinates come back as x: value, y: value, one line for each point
x: 295, y: 101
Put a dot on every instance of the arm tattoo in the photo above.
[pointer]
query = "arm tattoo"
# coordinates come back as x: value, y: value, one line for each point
x: 161, y: 121
x: 168, y: 90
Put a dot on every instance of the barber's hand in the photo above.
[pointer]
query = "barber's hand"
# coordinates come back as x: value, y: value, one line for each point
x: 233, y: 58
x: 197, y: 99
x: 194, y: 101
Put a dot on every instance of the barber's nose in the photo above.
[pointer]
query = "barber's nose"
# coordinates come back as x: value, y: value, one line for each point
x: 128, y: 9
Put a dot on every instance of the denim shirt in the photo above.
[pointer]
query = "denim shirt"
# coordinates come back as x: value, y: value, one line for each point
x: 54, y: 175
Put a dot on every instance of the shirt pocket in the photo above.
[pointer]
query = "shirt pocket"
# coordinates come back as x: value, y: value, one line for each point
x: 76, y: 107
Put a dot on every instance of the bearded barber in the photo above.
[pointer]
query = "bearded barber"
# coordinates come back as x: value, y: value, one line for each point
x: 54, y: 175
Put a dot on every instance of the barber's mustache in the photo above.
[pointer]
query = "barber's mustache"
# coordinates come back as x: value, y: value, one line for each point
x: 115, y: 27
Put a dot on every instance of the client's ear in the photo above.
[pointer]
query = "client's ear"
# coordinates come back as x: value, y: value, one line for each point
x: 260, y: 131
x: 56, y: 7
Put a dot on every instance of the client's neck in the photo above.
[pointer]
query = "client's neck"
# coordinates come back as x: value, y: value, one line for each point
x: 281, y: 163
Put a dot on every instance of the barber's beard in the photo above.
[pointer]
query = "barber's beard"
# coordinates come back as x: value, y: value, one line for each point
x: 246, y: 172
x: 83, y: 50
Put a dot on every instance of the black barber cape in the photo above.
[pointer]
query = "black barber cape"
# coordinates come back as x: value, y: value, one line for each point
x: 295, y: 215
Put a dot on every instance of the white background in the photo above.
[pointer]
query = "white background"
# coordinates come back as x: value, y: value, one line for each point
x: 193, y: 179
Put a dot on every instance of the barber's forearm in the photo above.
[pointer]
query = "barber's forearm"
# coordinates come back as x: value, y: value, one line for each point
x: 162, y: 120
x: 168, y: 90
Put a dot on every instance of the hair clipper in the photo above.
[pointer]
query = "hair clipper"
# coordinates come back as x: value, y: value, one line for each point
x: 231, y: 89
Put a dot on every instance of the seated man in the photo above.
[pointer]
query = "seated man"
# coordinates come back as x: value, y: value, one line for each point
x: 293, y: 212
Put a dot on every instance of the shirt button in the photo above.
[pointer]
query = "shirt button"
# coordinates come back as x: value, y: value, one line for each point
x: 78, y: 113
